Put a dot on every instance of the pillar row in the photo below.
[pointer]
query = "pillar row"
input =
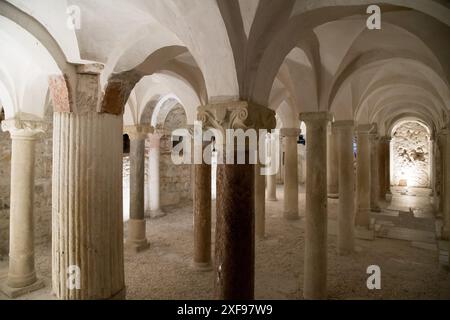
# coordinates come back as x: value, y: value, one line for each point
x: 22, y: 277
x: 315, y: 270
x: 290, y: 208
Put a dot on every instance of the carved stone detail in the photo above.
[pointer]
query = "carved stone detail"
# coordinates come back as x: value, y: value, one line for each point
x: 236, y: 115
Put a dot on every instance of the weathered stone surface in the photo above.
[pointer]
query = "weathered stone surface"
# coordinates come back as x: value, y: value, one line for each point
x: 411, y: 156
x: 42, y: 191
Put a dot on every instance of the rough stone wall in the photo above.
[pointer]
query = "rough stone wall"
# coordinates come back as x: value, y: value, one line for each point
x: 42, y: 190
x: 411, y: 155
x: 175, y: 179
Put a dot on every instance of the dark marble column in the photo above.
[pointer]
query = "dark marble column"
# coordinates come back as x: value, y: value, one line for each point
x: 234, y: 268
x: 202, y: 217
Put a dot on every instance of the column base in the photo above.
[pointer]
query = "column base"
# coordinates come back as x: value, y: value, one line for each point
x: 202, y: 266
x: 137, y: 246
x: 121, y: 295
x: 290, y: 215
x: 364, y: 233
x: 333, y: 195
x: 18, y: 292
x: 272, y: 199
x: 155, y: 214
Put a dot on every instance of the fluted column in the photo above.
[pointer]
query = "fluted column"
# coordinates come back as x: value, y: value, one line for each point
x: 87, y: 219
x: 363, y: 176
x: 332, y: 166
x: 315, y: 270
x: 346, y: 209
x: 153, y: 175
x: 21, y: 277
x: 374, y: 174
x: 202, y: 214
x: 137, y: 240
x: 290, y: 208
x: 235, y: 205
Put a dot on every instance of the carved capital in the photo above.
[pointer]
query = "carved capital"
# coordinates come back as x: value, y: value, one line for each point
x: 24, y: 129
x: 236, y: 115
x: 311, y: 118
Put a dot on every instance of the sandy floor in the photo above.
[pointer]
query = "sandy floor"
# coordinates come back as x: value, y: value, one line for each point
x: 163, y: 272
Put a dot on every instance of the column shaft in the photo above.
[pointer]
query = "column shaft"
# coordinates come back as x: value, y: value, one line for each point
x: 202, y: 217
x: 363, y: 177
x: 290, y: 173
x: 332, y: 166
x: 315, y: 270
x: 260, y: 202
x: 235, y: 232
x: 382, y: 168
x: 346, y: 209
x: 21, y: 273
x: 136, y: 240
x: 87, y: 235
x: 374, y: 177
x: 153, y: 175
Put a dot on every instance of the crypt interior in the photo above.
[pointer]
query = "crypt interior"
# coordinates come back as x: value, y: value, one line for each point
x: 93, y: 94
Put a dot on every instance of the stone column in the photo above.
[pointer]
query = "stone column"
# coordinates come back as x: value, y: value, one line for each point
x: 346, y: 209
x: 202, y: 215
x: 387, y: 160
x: 332, y: 166
x: 290, y: 210
x: 137, y: 240
x: 235, y: 205
x: 315, y: 270
x: 87, y: 218
x: 153, y: 175
x: 363, y: 176
x: 446, y: 183
x: 260, y: 203
x: 21, y: 277
x: 383, y: 145
x: 374, y: 177
x: 271, y: 180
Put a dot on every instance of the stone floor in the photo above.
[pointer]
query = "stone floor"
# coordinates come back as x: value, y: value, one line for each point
x: 410, y: 267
